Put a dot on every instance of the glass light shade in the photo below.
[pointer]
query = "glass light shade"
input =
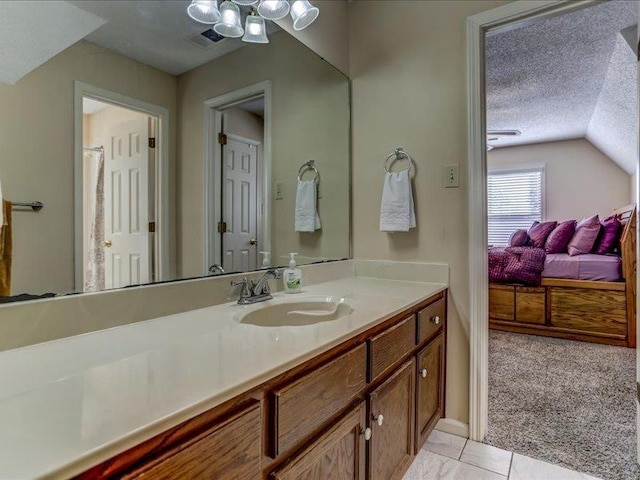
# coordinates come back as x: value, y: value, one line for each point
x: 255, y: 30
x: 229, y: 25
x: 303, y: 14
x: 245, y: 2
x: 204, y: 11
x: 273, y: 9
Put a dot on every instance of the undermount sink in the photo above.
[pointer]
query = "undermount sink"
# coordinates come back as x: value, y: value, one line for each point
x: 292, y: 312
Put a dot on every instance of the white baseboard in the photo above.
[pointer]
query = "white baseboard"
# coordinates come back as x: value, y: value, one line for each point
x: 454, y: 427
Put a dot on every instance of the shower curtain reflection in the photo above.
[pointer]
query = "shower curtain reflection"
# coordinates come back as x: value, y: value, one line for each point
x: 94, y: 271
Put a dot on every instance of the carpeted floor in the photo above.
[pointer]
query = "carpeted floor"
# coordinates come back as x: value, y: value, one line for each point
x: 564, y: 402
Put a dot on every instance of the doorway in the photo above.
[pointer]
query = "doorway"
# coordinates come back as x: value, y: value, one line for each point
x: 511, y: 16
x: 121, y: 186
x: 237, y: 166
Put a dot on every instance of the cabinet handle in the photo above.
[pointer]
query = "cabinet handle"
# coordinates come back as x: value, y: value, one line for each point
x: 367, y: 434
x: 379, y: 419
x: 436, y: 320
x: 423, y: 373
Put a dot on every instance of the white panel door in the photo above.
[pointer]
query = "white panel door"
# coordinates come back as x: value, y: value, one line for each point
x: 239, y: 205
x: 126, y: 184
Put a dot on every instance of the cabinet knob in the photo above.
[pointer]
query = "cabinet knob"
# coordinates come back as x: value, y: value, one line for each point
x: 423, y: 373
x: 436, y: 320
x: 379, y: 419
x: 366, y: 433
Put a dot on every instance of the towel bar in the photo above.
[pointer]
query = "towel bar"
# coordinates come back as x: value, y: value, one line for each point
x: 310, y: 165
x: 399, y: 154
x: 35, y: 206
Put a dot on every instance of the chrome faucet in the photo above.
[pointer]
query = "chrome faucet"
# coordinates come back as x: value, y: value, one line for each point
x: 254, y: 292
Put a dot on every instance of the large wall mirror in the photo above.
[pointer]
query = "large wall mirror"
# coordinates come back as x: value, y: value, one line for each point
x: 159, y: 150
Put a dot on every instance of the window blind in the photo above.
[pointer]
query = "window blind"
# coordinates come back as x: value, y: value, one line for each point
x: 514, y: 202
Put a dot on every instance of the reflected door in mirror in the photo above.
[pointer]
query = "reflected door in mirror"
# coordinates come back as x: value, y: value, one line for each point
x: 240, y: 187
x: 127, y: 259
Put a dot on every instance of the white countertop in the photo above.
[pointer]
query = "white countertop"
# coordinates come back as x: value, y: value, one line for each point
x: 72, y: 403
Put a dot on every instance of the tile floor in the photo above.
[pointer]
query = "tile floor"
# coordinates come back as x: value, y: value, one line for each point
x: 449, y: 457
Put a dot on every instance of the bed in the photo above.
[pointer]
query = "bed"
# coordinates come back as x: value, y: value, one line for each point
x: 586, y: 297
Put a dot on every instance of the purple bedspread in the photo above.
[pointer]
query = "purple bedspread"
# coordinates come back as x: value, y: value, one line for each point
x: 516, y: 265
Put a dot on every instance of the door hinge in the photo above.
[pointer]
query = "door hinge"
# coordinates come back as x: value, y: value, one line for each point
x: 152, y: 142
x: 222, y: 139
x: 222, y: 227
x: 152, y: 227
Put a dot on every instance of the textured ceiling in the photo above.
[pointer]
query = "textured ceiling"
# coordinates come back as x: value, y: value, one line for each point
x: 568, y: 76
x: 33, y: 32
x: 156, y: 33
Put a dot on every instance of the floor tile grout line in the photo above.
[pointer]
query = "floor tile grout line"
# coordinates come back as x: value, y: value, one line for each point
x: 510, y: 465
x: 466, y: 440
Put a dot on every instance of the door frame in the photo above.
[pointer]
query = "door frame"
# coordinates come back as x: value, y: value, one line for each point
x: 477, y: 26
x: 212, y: 168
x: 161, y: 237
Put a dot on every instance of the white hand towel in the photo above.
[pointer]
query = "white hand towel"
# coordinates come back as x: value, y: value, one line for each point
x: 397, y: 212
x: 307, y: 218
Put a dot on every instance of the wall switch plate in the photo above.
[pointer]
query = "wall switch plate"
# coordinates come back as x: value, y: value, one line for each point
x: 452, y: 176
x: 279, y: 191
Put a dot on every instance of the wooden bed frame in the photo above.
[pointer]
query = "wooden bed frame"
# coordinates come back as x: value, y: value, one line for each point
x: 600, y: 312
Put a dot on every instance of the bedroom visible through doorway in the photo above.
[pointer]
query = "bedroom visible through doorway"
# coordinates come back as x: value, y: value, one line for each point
x: 562, y: 155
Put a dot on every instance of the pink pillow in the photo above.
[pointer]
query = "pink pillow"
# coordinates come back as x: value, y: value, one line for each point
x: 560, y: 237
x: 539, y: 232
x: 586, y: 233
x: 519, y: 238
x: 609, y: 235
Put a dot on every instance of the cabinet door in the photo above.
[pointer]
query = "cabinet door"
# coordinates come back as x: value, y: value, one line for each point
x: 430, y: 388
x: 392, y: 424
x: 336, y: 455
x: 230, y: 450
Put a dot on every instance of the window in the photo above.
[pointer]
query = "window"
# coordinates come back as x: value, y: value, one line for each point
x: 515, y: 200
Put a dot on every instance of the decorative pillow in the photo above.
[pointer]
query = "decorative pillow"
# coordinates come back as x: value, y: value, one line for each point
x: 586, y: 233
x: 609, y: 235
x: 539, y: 232
x: 560, y: 237
x: 519, y: 238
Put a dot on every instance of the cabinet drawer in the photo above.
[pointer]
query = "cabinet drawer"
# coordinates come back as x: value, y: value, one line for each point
x: 305, y: 404
x: 231, y: 449
x: 502, y: 302
x: 390, y: 346
x: 431, y: 319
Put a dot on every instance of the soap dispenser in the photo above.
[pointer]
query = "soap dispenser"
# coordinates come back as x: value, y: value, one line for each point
x: 292, y: 276
x: 266, y: 260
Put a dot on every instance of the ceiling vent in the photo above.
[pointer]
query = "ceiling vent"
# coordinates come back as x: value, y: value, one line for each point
x: 205, y: 39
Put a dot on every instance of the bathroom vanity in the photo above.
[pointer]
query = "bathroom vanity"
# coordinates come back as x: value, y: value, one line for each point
x: 204, y: 394
x: 362, y: 409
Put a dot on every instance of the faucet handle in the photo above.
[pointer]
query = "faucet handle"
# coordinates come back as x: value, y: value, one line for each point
x: 246, y: 290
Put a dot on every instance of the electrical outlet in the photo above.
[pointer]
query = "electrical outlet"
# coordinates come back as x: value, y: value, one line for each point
x: 279, y: 191
x: 452, y: 176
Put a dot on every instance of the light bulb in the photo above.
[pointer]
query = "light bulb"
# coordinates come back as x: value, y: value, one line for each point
x: 204, y: 11
x: 303, y: 14
x: 273, y: 9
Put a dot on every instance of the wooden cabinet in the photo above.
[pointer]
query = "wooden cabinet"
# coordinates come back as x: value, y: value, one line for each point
x: 229, y: 450
x: 337, y: 454
x: 305, y: 404
x: 392, y: 424
x: 358, y: 411
x: 429, y: 388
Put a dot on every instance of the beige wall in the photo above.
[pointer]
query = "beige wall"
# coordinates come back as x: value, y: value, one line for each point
x: 36, y: 134
x: 328, y: 36
x: 579, y: 179
x: 310, y: 120
x: 409, y: 90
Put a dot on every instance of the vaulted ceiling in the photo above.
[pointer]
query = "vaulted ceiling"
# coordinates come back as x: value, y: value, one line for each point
x: 568, y: 76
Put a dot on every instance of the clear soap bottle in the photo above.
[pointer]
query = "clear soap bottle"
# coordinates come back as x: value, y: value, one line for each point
x: 292, y: 276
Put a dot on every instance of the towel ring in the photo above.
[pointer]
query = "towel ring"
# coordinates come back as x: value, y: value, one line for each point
x: 399, y: 154
x: 310, y: 165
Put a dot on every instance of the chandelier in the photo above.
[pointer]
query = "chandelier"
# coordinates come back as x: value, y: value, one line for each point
x: 227, y: 20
